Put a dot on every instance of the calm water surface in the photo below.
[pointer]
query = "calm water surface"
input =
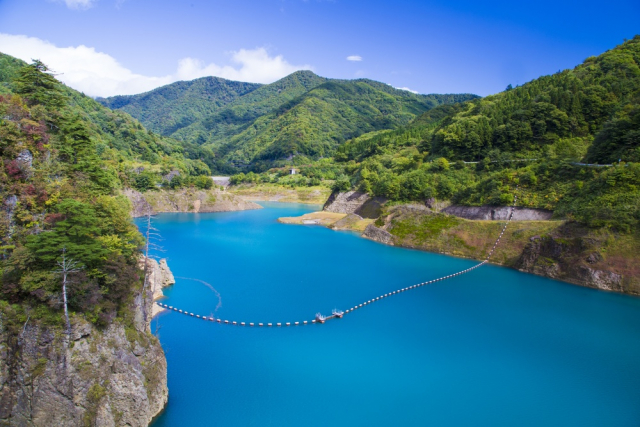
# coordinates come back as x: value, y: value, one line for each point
x: 491, y: 348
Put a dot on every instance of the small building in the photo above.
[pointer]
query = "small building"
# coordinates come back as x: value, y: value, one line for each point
x: 292, y: 171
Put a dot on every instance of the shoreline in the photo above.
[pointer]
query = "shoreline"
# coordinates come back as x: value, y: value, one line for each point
x: 541, y: 248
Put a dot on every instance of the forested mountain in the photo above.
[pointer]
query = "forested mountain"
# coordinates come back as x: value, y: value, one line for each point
x: 238, y: 115
x: 169, y: 108
x: 533, y: 136
x: 317, y: 122
x: 300, y: 114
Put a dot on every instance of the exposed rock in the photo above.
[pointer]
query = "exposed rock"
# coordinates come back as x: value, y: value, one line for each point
x: 139, y: 205
x: 355, y: 202
x: 171, y: 175
x: 221, y: 180
x: 594, y: 258
x: 24, y: 161
x: 374, y: 233
x: 563, y: 258
x: 96, y: 377
x: 605, y: 280
x: 186, y: 200
x: 160, y: 276
x: 498, y: 213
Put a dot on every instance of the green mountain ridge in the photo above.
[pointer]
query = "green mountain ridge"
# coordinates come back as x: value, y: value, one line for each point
x: 169, y: 108
x: 235, y: 117
x: 302, y: 113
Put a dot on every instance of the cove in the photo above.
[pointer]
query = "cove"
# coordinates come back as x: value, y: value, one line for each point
x: 494, y: 347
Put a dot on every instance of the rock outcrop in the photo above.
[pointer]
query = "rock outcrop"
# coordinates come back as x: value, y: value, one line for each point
x: 355, y: 202
x: 159, y: 277
x: 114, y: 376
x: 573, y: 258
x: 379, y: 235
x: 497, y: 213
x: 185, y: 200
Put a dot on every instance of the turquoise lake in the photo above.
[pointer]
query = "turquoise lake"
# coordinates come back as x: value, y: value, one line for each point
x: 494, y: 347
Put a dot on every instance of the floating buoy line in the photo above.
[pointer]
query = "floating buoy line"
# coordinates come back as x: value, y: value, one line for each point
x: 337, y: 314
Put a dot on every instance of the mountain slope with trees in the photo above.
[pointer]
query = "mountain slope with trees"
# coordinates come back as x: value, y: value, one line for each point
x: 533, y: 136
x: 300, y: 114
x: 172, y: 107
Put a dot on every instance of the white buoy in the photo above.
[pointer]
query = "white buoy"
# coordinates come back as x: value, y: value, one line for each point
x: 250, y: 324
x: 234, y: 322
x: 269, y: 324
x: 260, y: 324
x: 279, y: 324
x: 288, y: 324
x: 305, y: 322
x: 297, y: 323
x: 241, y: 323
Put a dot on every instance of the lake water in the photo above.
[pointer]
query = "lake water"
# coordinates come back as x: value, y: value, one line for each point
x: 494, y: 347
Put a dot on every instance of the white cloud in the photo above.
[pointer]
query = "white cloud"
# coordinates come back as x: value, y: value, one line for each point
x: 407, y: 89
x: 79, y: 4
x: 354, y: 58
x: 99, y: 74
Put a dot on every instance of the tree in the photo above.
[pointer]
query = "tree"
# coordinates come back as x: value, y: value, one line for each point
x: 66, y: 266
x: 37, y: 84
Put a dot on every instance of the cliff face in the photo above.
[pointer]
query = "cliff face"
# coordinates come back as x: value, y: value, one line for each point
x: 355, y: 202
x: 159, y: 277
x: 95, y: 377
x: 185, y: 200
x: 572, y: 254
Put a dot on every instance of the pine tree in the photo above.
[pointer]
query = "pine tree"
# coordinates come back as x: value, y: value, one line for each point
x: 37, y: 84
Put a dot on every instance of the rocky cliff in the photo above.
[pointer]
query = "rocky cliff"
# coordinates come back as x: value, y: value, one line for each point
x: 574, y: 254
x: 355, y: 202
x: 159, y: 277
x: 185, y: 200
x: 113, y: 376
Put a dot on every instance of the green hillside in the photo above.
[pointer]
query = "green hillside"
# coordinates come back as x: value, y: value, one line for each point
x: 533, y: 136
x: 300, y: 114
x: 216, y: 128
x: 60, y: 179
x: 172, y: 107
x: 319, y: 121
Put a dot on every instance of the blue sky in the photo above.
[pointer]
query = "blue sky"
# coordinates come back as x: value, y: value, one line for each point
x: 426, y: 46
